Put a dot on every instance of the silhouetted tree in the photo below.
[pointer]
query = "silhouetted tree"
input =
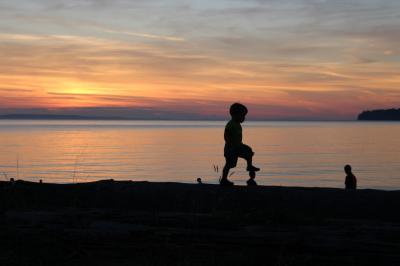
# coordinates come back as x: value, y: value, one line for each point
x: 387, y: 115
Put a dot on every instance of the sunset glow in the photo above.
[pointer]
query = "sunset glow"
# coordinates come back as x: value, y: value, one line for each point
x: 292, y: 60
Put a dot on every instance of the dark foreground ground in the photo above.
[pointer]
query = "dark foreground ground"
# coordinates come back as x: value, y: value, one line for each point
x: 140, y: 223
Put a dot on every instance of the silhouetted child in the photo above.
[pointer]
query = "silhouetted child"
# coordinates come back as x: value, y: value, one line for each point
x: 234, y: 147
x: 351, y: 180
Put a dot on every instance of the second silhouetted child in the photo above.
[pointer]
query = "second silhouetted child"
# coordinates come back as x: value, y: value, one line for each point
x: 351, y: 180
x: 234, y: 147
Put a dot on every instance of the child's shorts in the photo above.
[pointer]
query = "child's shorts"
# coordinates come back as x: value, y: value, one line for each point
x: 232, y: 154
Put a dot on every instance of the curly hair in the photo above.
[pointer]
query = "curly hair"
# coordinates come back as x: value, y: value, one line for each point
x: 238, y: 109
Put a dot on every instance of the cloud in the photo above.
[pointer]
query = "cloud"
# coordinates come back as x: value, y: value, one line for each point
x: 145, y: 35
x: 14, y: 90
x: 289, y: 105
x: 178, y: 55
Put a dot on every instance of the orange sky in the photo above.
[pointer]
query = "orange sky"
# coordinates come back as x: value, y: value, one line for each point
x: 298, y: 60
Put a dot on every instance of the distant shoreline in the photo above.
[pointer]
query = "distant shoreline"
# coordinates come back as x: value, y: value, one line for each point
x: 116, y: 118
x: 380, y: 115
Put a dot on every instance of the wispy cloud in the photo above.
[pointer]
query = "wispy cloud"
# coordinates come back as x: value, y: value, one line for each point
x: 145, y: 35
x: 284, y: 58
x: 14, y: 90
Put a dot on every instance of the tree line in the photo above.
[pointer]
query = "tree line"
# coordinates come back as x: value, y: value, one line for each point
x: 381, y: 114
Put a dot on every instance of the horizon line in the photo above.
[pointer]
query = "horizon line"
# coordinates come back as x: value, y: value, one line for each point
x: 116, y: 118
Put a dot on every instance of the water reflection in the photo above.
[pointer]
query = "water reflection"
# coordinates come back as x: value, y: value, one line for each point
x: 289, y: 153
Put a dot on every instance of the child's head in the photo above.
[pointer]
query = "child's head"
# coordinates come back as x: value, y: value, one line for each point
x: 238, y: 112
x: 347, y: 169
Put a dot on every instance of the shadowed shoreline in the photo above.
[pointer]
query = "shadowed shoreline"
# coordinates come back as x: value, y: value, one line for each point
x: 142, y: 223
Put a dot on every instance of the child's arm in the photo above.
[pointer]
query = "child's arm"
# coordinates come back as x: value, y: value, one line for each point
x: 233, y: 135
x: 228, y: 136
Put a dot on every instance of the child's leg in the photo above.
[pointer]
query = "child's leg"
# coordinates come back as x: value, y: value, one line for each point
x: 225, y: 171
x: 249, y: 161
x: 251, y: 167
x: 247, y: 154
x: 231, y: 159
x: 224, y: 179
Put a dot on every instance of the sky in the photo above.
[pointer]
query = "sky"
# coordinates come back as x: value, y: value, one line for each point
x: 175, y: 59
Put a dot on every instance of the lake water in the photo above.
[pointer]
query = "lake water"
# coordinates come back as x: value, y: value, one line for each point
x: 310, y: 154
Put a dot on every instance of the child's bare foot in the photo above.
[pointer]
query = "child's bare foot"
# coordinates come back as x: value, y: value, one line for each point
x: 226, y: 183
x: 252, y: 168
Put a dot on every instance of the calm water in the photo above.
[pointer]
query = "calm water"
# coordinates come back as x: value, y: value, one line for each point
x: 289, y: 153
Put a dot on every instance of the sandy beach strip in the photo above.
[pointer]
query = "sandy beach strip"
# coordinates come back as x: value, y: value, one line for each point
x: 141, y: 223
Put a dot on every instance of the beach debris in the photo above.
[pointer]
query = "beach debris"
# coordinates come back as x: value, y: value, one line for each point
x: 252, y: 182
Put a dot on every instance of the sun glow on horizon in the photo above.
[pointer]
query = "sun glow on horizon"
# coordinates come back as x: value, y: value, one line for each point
x: 268, y: 55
